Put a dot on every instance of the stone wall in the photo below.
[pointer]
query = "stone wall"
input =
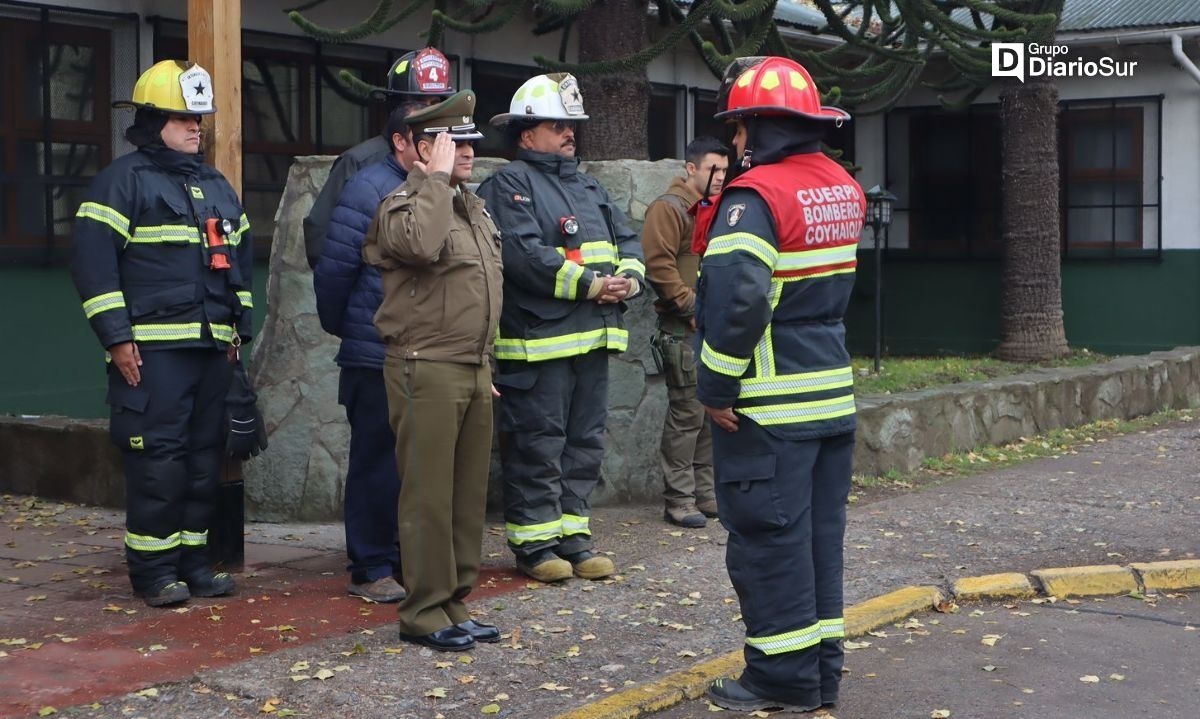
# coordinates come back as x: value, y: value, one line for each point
x: 302, y: 475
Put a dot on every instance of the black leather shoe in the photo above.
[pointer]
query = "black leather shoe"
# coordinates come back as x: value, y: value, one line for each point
x: 479, y: 631
x: 450, y: 639
x: 730, y: 694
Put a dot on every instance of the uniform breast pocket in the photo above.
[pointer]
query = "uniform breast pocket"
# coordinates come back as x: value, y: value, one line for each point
x: 171, y: 224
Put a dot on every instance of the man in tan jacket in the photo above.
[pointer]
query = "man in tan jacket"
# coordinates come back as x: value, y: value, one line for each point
x: 438, y: 253
x: 671, y: 268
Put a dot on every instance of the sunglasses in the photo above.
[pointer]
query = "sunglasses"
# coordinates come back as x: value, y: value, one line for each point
x: 561, y: 126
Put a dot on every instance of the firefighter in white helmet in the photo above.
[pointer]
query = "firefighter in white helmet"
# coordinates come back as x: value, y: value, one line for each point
x: 570, y: 262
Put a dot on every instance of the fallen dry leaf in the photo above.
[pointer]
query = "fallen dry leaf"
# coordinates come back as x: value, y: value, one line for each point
x: 939, y: 714
x: 552, y: 687
x: 436, y: 693
x: 490, y: 709
x: 946, y: 607
x: 991, y: 639
x: 1117, y: 677
x: 1089, y: 679
x: 151, y: 693
x: 323, y: 674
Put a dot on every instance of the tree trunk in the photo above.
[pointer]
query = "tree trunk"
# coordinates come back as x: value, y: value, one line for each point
x: 1031, y: 299
x: 617, y: 103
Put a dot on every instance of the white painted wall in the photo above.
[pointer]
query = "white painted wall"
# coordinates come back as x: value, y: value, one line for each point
x: 1155, y: 74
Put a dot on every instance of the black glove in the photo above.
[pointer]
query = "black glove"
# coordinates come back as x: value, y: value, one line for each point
x: 247, y: 431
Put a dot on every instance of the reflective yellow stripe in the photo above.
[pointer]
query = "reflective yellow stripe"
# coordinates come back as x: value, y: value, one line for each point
x: 796, y: 412
x: 744, y: 242
x: 103, y: 303
x: 600, y: 252
x: 792, y: 261
x: 792, y: 641
x: 566, y: 281
x: 786, y: 384
x: 764, y: 352
x: 246, y: 298
x: 575, y: 524
x: 107, y: 215
x: 235, y: 237
x: 610, y: 338
x: 522, y: 534
x: 193, y: 539
x: 727, y: 365
x: 833, y: 628
x: 221, y: 332
x: 632, y: 264
x: 181, y: 331
x: 142, y: 543
x: 815, y: 275
x: 158, y: 234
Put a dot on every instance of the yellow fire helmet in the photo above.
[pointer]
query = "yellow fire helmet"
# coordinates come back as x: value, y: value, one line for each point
x: 173, y: 86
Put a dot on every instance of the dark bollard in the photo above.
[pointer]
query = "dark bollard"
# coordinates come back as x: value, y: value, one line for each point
x: 226, y: 533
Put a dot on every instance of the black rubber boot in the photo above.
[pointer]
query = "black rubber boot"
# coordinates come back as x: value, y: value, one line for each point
x: 166, y: 593
x: 730, y: 694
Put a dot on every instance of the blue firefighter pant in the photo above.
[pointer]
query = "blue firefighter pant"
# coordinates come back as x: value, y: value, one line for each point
x: 171, y: 432
x: 372, y: 479
x: 552, y: 416
x: 784, y: 504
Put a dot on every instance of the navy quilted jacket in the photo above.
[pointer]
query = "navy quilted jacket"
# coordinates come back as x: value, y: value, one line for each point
x: 348, y: 290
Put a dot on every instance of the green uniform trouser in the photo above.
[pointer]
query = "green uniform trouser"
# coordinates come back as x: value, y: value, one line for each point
x: 687, y: 462
x: 441, y: 413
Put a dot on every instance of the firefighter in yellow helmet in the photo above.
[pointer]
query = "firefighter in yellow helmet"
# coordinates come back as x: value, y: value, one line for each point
x: 162, y: 261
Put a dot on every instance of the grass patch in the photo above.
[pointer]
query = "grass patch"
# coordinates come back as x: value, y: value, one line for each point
x: 1051, y: 444
x: 904, y: 374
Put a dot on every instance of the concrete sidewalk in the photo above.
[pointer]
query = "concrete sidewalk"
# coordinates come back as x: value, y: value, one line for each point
x: 292, y: 643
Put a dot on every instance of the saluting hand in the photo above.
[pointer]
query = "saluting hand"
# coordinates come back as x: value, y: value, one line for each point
x: 441, y: 156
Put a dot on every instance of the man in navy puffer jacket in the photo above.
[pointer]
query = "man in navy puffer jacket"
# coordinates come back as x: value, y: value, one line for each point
x: 348, y: 295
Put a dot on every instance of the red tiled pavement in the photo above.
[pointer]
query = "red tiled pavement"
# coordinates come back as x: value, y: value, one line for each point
x: 71, y: 633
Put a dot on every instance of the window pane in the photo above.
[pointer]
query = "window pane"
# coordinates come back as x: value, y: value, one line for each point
x: 344, y: 119
x: 266, y: 169
x: 271, y: 101
x: 704, y: 106
x: 1093, y: 146
x: 494, y: 88
x: 67, y: 199
x: 663, y: 124
x: 72, y: 81
x: 67, y: 159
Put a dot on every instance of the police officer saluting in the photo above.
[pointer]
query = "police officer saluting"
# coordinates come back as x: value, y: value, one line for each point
x: 438, y: 253
x: 162, y: 263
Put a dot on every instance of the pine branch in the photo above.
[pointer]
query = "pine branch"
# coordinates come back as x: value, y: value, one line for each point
x: 487, y: 24
x: 433, y: 35
x: 306, y: 6
x: 750, y: 9
x: 366, y: 28
x: 565, y: 8
x: 355, y: 85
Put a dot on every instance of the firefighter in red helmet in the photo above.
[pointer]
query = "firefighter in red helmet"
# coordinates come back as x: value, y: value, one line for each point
x: 774, y: 376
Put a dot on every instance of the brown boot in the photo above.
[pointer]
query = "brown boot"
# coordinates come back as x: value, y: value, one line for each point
x: 707, y: 507
x: 589, y: 565
x: 545, y: 566
x: 686, y: 516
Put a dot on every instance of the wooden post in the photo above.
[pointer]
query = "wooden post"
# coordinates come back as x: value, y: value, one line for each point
x: 215, y: 42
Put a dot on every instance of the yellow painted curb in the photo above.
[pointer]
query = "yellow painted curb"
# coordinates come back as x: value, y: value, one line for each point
x: 1179, y: 574
x: 1103, y: 579
x: 691, y: 683
x: 891, y: 607
x: 1012, y: 585
x: 662, y: 693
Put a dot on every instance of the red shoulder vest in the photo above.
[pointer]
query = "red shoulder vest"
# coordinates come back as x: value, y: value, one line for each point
x: 815, y: 203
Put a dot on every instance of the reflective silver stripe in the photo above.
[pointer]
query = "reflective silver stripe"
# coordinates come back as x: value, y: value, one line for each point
x: 792, y: 641
x: 575, y: 524
x: 833, y: 628
x: 143, y: 543
x: 598, y: 252
x: 166, y: 233
x: 792, y: 261
x: 221, y: 332
x: 105, y: 214
x: 631, y: 264
x: 794, y: 412
x: 796, y: 383
x: 744, y: 242
x: 246, y: 298
x: 166, y: 332
x: 521, y: 534
x: 764, y: 352
x: 103, y: 303
x: 722, y: 363
x: 611, y: 338
x: 193, y: 539
x: 566, y: 280
x: 235, y: 237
